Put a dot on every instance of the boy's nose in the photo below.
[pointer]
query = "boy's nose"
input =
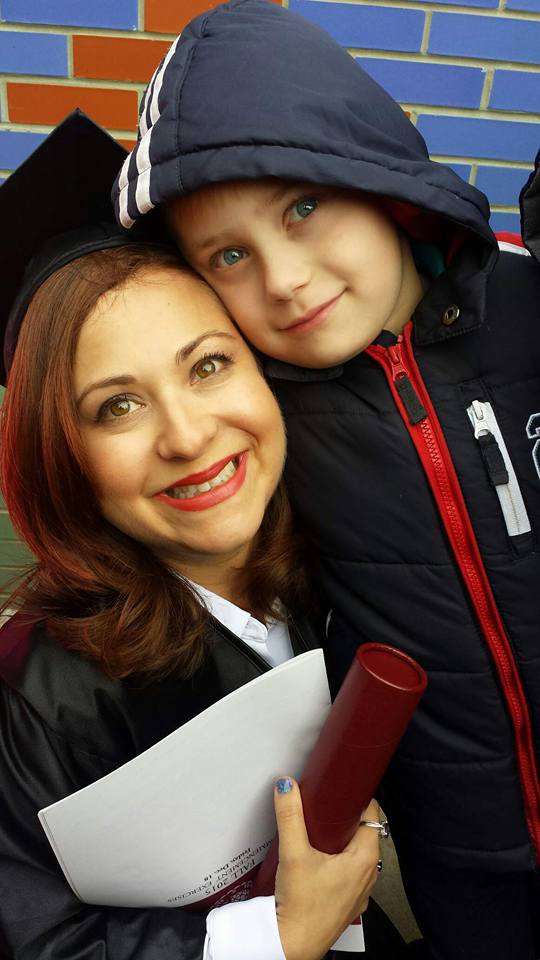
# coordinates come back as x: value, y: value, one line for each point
x: 186, y: 432
x: 285, y: 272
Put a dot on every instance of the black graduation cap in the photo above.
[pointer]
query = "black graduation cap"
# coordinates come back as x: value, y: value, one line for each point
x: 53, y: 209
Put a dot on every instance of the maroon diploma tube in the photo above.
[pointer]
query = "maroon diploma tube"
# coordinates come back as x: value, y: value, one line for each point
x: 363, y: 728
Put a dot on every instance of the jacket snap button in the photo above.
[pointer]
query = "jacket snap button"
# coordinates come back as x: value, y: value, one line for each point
x: 450, y: 315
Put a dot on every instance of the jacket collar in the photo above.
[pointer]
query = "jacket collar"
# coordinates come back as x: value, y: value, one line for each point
x: 455, y: 302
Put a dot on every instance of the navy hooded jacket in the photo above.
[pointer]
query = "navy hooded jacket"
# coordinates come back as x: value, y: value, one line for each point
x: 416, y: 465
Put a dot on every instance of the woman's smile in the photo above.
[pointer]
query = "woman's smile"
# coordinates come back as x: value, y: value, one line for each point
x: 208, y: 488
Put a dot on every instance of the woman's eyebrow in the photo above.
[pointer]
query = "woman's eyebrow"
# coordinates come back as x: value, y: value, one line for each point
x: 188, y: 349
x: 117, y: 380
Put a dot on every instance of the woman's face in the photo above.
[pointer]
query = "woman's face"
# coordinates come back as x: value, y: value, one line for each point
x: 184, y: 439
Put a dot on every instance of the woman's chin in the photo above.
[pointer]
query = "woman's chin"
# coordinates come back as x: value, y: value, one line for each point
x: 214, y: 553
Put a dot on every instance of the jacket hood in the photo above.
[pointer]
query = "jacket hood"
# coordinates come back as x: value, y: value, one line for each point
x: 252, y: 90
x: 529, y: 201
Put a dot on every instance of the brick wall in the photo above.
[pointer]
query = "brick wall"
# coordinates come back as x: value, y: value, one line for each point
x: 468, y: 73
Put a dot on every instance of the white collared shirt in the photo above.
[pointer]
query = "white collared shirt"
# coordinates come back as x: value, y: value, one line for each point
x: 247, y: 930
x: 273, y: 642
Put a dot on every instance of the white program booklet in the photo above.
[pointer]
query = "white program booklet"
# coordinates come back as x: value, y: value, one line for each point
x: 193, y: 815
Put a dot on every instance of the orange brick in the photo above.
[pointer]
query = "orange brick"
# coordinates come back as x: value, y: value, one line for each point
x: 128, y: 144
x: 170, y: 16
x: 117, y: 58
x: 48, y: 103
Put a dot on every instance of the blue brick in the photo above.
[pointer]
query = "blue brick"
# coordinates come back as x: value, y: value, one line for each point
x: 463, y: 170
x: 120, y: 15
x: 432, y: 83
x: 491, y: 139
x: 532, y: 5
x: 485, y: 38
x: 516, y: 90
x: 505, y: 222
x: 44, y: 54
x: 379, y: 28
x: 470, y: 3
x: 16, y: 147
x: 501, y: 184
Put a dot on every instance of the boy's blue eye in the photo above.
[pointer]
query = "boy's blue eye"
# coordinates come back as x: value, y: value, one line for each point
x: 230, y: 256
x: 302, y: 209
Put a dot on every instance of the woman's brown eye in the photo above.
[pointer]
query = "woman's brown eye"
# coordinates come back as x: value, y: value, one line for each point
x: 206, y: 369
x: 119, y: 408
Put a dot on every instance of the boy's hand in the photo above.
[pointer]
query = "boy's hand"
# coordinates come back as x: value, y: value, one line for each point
x: 318, y: 894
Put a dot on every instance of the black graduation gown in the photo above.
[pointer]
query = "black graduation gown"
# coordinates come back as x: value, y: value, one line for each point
x: 64, y: 725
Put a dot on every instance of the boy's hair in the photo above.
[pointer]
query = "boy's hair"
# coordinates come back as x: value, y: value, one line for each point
x: 101, y: 592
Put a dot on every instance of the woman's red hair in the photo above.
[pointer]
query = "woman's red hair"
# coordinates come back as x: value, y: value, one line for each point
x: 101, y: 592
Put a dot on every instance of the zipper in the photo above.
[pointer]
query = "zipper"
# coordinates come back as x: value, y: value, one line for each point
x: 499, y: 467
x: 414, y: 404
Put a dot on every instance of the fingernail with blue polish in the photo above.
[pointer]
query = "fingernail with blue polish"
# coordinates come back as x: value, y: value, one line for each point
x: 284, y: 785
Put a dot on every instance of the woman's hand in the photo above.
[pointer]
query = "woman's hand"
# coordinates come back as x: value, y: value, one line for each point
x: 319, y: 894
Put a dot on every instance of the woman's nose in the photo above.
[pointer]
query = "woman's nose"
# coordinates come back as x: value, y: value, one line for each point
x: 185, y: 431
x: 286, y: 271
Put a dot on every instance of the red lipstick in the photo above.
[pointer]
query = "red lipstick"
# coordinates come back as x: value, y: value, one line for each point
x: 209, y: 498
x: 204, y: 475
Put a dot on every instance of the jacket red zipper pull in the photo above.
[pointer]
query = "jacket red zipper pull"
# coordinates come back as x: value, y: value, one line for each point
x: 398, y: 367
x: 416, y: 412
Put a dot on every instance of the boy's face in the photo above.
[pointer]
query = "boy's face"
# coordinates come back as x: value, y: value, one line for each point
x: 310, y: 274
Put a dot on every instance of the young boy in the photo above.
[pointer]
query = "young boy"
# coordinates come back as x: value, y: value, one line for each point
x: 406, y: 358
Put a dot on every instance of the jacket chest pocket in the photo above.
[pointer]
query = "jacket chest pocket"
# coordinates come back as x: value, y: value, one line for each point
x: 500, y: 471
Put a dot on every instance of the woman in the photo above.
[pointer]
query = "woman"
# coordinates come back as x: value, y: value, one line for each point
x: 141, y: 462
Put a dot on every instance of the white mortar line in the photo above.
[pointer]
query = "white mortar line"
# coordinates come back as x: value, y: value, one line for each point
x: 425, y: 35
x: 443, y: 59
x: 4, y: 109
x: 69, y: 82
x: 450, y: 8
x: 69, y: 41
x: 486, y: 90
x: 471, y: 113
x: 63, y: 29
x: 483, y: 162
